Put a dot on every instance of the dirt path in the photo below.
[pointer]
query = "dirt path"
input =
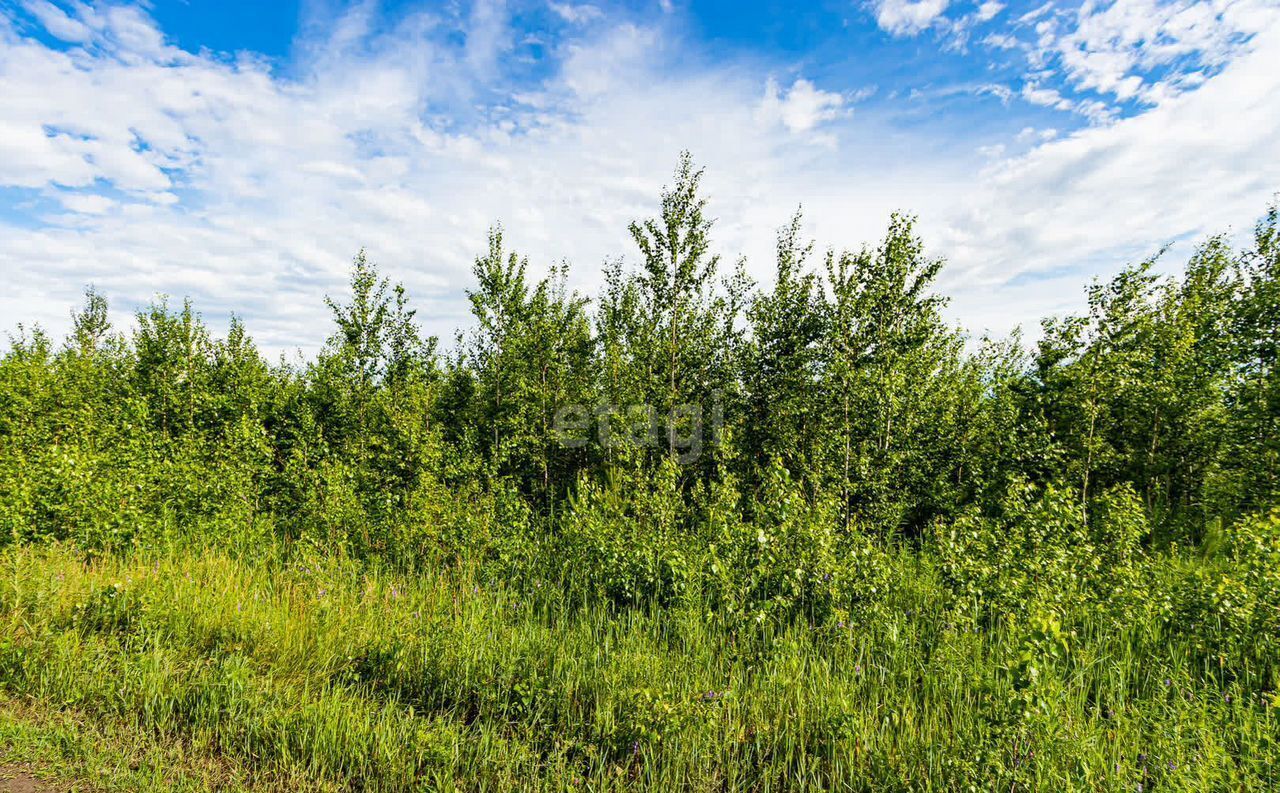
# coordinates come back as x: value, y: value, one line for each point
x: 15, y: 779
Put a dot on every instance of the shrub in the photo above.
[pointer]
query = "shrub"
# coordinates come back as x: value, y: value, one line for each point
x: 624, y: 537
x: 1042, y: 549
x: 794, y: 559
x: 1229, y: 607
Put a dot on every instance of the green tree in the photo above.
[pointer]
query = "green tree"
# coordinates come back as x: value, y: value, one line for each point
x: 784, y: 366
x: 890, y: 365
x: 677, y: 329
x: 1254, y: 454
x: 533, y: 353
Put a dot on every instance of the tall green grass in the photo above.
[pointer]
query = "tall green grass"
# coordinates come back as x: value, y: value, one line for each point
x: 339, y: 674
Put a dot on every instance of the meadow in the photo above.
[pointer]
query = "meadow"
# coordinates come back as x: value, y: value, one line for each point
x: 693, y: 533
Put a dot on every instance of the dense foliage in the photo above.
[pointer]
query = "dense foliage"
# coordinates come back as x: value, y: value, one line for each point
x: 715, y: 535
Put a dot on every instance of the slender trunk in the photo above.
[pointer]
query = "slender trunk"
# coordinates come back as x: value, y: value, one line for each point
x: 497, y: 401
x: 888, y: 423
x: 1093, y: 424
x: 671, y: 407
x: 546, y: 443
x: 191, y: 391
x: 1152, y: 479
x: 847, y: 451
x: 1088, y: 461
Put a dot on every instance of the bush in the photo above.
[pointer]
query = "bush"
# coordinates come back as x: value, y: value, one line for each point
x: 624, y: 538
x: 1042, y: 549
x: 1229, y: 607
x: 794, y: 559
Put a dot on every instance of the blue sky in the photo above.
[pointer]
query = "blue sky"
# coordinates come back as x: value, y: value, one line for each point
x: 240, y: 152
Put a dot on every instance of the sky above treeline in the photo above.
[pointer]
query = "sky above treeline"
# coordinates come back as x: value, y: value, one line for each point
x: 240, y: 152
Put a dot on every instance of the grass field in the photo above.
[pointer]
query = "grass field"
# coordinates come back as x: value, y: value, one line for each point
x: 195, y: 671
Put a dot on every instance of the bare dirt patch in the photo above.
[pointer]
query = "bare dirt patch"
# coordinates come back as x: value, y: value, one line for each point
x: 16, y: 779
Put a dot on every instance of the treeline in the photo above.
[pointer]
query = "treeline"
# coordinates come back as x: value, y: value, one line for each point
x: 627, y: 427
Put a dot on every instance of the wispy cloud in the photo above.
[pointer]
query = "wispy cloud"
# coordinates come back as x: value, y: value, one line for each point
x: 145, y: 168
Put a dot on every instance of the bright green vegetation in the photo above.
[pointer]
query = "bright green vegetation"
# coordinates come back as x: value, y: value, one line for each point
x: 334, y: 671
x: 857, y: 552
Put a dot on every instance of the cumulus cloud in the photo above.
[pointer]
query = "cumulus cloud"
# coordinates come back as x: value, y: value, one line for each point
x: 908, y: 17
x: 988, y: 10
x: 803, y: 107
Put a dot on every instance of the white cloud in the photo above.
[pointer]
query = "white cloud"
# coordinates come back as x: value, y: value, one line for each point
x: 87, y: 203
x: 192, y: 175
x: 1045, y: 97
x: 803, y: 108
x: 908, y: 17
x: 250, y: 192
x: 576, y: 14
x: 1151, y: 50
x: 1109, y: 193
x: 1092, y: 109
x: 56, y: 21
x: 1031, y: 134
x: 988, y: 10
x: 488, y: 36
